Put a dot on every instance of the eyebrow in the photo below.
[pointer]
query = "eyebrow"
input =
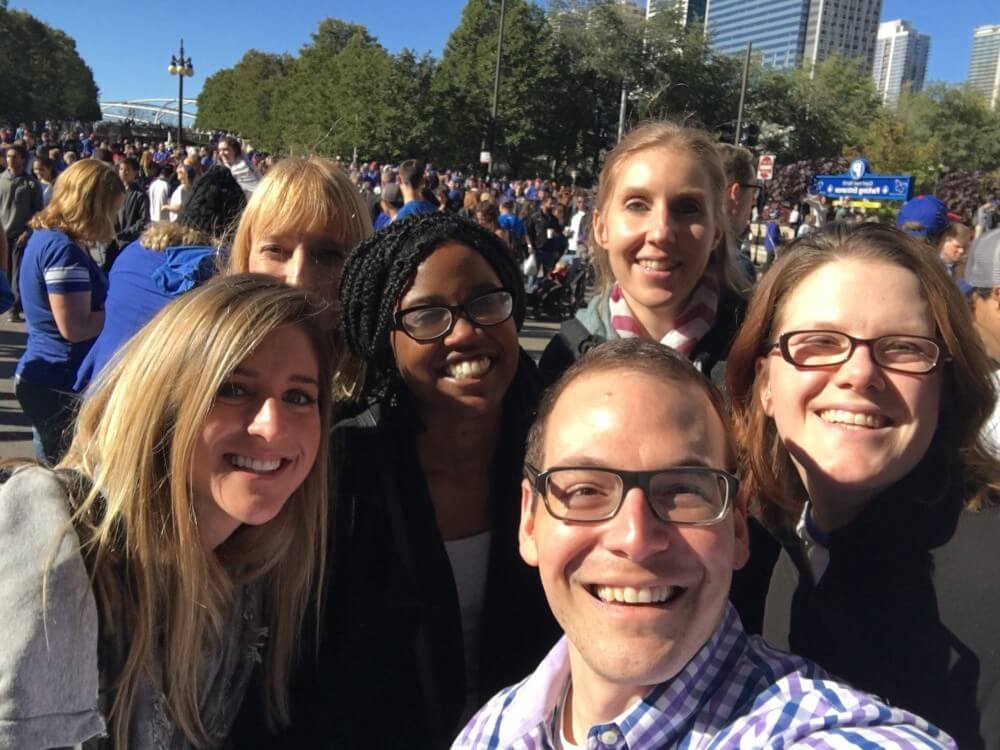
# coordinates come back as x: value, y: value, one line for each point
x: 249, y: 372
x: 586, y: 461
x: 437, y: 299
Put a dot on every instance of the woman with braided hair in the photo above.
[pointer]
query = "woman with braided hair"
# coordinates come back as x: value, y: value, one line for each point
x: 431, y: 608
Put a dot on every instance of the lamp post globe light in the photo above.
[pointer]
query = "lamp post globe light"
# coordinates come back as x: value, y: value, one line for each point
x: 180, y: 66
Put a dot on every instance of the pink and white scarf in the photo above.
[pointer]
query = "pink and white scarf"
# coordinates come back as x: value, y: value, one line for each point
x: 691, y: 325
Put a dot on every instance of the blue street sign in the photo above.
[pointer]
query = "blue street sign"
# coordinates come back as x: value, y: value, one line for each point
x: 859, y: 184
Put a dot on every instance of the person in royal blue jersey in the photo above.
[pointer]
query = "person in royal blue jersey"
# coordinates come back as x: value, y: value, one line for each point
x: 631, y: 514
x: 411, y: 182
x: 63, y: 293
x: 861, y: 391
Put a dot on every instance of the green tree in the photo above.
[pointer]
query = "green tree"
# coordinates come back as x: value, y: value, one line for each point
x: 813, y: 115
x: 247, y: 99
x: 529, y: 90
x: 45, y: 77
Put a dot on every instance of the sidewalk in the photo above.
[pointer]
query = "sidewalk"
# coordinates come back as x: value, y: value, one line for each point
x: 15, y: 431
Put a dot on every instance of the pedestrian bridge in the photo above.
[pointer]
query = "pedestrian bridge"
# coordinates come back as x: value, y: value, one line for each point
x: 152, y: 111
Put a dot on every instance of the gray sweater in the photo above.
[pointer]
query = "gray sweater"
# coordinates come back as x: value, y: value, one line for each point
x: 54, y: 690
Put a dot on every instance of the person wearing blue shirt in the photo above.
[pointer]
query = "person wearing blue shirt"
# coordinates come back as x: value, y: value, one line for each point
x: 63, y: 292
x: 169, y: 259
x: 411, y: 181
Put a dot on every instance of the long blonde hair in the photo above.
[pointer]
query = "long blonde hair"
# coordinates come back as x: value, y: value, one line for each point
x: 84, y: 202
x: 135, y: 445
x: 301, y: 193
x: 700, y: 146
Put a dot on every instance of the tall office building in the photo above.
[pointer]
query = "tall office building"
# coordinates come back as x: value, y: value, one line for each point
x: 984, y: 65
x: 691, y: 11
x: 844, y: 27
x: 788, y: 32
x: 900, y: 58
x: 777, y: 28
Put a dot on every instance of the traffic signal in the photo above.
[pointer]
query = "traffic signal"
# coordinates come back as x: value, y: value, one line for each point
x: 749, y: 135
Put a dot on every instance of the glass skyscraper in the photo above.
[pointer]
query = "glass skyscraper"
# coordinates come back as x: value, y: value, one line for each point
x: 777, y: 28
x: 900, y: 58
x: 984, y: 65
x: 788, y: 32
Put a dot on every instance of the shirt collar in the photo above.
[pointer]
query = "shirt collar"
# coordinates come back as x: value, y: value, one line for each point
x: 667, y: 709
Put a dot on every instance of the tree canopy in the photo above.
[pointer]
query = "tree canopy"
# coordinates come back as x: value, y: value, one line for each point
x: 563, y: 72
x: 44, y: 76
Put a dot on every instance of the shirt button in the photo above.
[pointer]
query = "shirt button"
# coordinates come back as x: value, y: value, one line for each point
x: 609, y: 737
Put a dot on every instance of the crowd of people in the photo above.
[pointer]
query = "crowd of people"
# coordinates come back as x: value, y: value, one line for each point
x: 297, y: 484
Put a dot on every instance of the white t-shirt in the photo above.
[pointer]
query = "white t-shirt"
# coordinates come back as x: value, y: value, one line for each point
x: 179, y: 198
x: 158, y: 191
x: 991, y: 430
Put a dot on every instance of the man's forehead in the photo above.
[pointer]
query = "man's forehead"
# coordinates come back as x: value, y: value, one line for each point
x: 621, y: 413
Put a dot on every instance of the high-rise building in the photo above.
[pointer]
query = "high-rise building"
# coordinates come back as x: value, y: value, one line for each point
x: 691, y: 11
x: 984, y: 65
x: 787, y: 32
x: 844, y: 27
x: 900, y: 58
x: 777, y: 28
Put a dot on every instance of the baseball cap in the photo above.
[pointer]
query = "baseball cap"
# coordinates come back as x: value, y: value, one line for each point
x: 929, y: 212
x: 982, y: 269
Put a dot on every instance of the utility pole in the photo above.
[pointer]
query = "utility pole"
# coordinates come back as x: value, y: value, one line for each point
x: 743, y: 95
x: 491, y: 136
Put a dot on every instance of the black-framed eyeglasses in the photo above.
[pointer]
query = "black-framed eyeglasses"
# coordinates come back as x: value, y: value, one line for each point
x: 687, y: 495
x: 915, y: 355
x: 429, y: 322
x: 752, y: 186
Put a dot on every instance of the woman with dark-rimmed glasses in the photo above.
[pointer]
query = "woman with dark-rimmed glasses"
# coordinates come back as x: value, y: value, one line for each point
x: 431, y: 610
x: 860, y: 390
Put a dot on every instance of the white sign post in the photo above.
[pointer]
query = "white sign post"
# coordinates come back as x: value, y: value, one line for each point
x: 765, y: 167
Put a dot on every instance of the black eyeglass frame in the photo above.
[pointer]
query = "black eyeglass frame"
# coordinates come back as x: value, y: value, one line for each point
x: 631, y: 479
x: 453, y: 312
x: 782, y: 345
x: 751, y: 186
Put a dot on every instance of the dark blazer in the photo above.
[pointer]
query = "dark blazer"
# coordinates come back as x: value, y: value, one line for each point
x: 908, y: 609
x: 391, y: 668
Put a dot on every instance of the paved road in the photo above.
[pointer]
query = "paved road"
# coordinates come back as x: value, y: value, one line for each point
x: 15, y: 431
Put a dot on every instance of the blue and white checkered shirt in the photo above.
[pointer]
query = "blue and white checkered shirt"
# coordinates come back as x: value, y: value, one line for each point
x: 737, y: 692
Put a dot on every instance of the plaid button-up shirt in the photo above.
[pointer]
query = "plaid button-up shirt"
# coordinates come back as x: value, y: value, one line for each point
x: 737, y: 692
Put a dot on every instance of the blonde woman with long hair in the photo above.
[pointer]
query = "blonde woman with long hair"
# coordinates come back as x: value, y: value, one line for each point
x: 659, y: 246
x: 63, y: 292
x: 179, y: 541
x: 299, y: 226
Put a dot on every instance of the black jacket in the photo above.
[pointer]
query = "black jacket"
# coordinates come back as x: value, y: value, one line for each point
x: 908, y: 609
x: 133, y: 216
x: 391, y: 670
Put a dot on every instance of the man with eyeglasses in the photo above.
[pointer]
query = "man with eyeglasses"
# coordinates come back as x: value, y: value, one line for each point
x: 631, y: 514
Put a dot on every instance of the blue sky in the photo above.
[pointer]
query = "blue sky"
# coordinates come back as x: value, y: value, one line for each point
x: 129, y: 49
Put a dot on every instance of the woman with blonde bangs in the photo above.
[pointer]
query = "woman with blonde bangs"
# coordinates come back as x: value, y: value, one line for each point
x: 660, y: 251
x: 179, y: 541
x: 63, y: 292
x: 302, y: 221
x: 860, y: 391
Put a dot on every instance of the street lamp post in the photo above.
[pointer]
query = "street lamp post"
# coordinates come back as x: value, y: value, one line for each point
x: 180, y: 67
x: 489, y: 138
